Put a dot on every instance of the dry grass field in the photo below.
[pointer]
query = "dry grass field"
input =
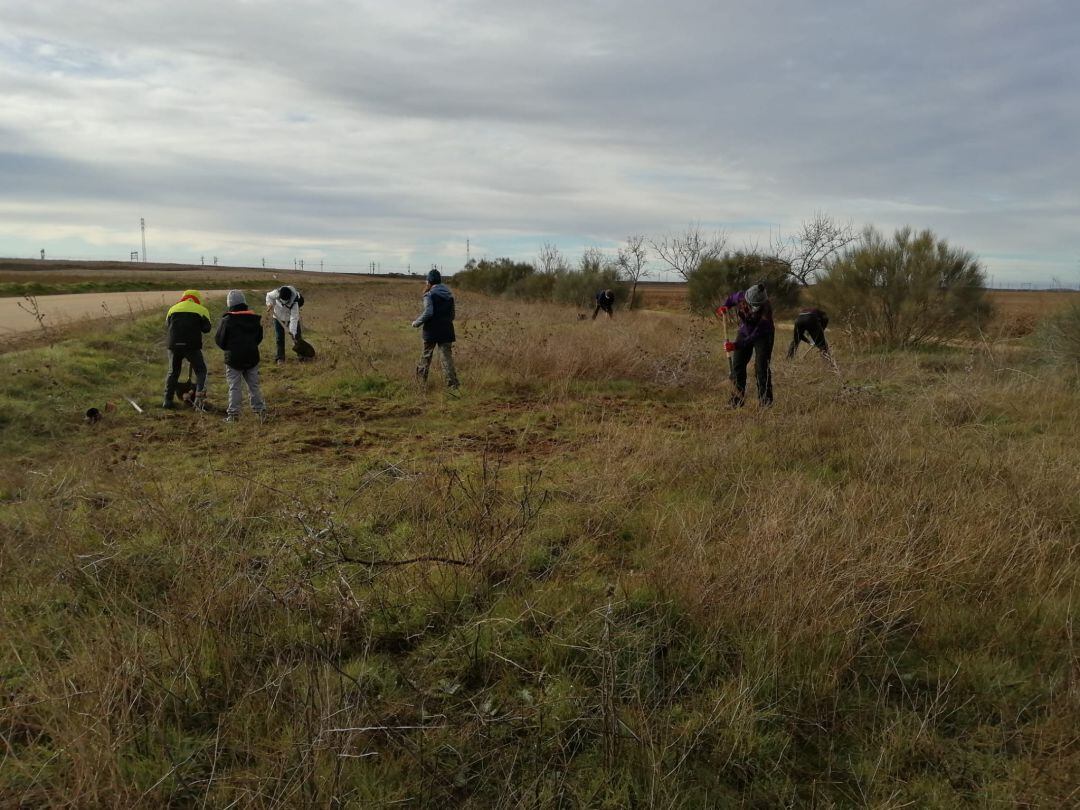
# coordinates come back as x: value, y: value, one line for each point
x: 582, y: 583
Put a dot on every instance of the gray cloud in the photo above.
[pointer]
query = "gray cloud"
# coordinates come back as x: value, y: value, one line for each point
x: 364, y: 128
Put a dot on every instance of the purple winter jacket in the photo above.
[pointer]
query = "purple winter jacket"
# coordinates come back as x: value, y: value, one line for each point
x: 752, y: 325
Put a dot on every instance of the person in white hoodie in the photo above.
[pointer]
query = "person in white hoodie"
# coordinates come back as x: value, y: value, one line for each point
x: 284, y: 305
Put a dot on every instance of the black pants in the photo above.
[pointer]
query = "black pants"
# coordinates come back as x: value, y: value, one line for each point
x: 761, y: 349
x: 176, y: 362
x: 808, y: 327
x: 279, y: 332
x: 599, y: 307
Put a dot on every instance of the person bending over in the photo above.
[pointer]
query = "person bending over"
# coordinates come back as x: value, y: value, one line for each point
x: 284, y: 305
x: 605, y: 300
x: 755, y: 338
x: 810, y: 327
x: 186, y: 322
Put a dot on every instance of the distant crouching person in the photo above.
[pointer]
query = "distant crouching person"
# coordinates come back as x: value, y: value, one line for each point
x: 437, y: 322
x: 810, y: 327
x: 755, y: 337
x: 186, y: 322
x: 605, y: 300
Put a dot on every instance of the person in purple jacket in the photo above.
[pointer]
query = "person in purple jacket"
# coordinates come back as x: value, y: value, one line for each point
x: 755, y: 337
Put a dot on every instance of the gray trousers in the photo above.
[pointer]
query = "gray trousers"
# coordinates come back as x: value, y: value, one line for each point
x: 235, y: 378
x: 446, y: 350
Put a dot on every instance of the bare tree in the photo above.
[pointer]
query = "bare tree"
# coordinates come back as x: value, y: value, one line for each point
x: 550, y: 259
x: 593, y: 260
x: 684, y: 251
x: 631, y: 262
x: 819, y: 239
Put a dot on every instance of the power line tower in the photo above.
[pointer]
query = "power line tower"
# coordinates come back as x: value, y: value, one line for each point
x: 142, y: 227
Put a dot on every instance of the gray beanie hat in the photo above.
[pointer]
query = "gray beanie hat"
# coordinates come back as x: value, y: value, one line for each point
x: 234, y: 297
x: 434, y: 276
x: 756, y: 296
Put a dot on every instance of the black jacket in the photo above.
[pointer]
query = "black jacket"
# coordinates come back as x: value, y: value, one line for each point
x: 810, y: 327
x: 239, y: 333
x: 437, y: 319
x: 185, y: 331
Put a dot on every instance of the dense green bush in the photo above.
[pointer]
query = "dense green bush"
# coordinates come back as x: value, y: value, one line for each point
x: 715, y: 279
x: 494, y: 276
x: 521, y: 280
x: 904, y: 291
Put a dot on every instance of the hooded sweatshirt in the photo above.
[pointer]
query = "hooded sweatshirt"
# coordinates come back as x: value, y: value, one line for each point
x: 287, y: 314
x: 437, y: 319
x: 187, y: 321
x: 239, y: 334
x: 752, y: 325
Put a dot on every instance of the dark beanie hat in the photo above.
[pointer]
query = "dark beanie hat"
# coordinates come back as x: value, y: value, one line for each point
x: 434, y: 276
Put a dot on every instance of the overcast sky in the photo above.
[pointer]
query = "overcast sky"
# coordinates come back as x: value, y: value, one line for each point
x: 354, y: 132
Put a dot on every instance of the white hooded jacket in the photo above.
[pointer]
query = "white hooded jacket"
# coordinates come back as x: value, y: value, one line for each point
x: 288, y: 315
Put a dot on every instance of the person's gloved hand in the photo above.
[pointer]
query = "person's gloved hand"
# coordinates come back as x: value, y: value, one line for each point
x: 721, y: 310
x: 417, y: 323
x: 729, y: 346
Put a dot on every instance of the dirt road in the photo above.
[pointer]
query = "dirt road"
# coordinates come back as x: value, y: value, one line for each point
x: 17, y: 315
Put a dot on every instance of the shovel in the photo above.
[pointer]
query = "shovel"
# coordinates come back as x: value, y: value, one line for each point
x: 303, y: 349
x: 730, y: 359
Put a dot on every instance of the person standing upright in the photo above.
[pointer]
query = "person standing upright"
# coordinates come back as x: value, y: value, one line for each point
x: 284, y: 305
x: 437, y: 322
x: 186, y: 322
x: 755, y: 337
x: 239, y: 334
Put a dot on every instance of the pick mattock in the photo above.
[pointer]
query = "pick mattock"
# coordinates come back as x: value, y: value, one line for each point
x: 730, y: 359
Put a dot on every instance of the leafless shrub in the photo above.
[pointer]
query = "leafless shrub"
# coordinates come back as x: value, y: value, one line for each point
x: 683, y: 252
x: 818, y: 241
